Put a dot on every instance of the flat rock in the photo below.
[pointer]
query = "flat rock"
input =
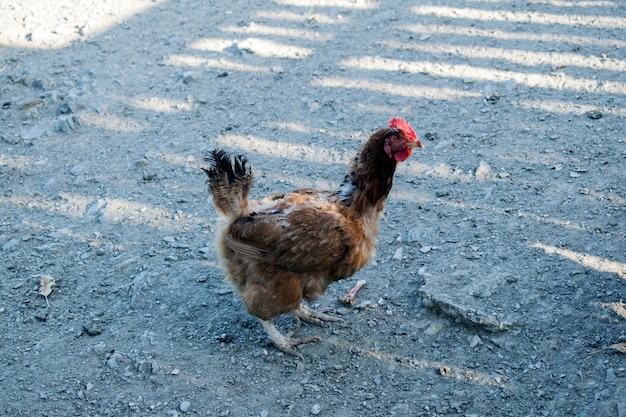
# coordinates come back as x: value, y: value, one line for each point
x: 461, y: 303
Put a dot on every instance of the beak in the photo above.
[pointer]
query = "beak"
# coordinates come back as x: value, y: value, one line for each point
x: 417, y: 144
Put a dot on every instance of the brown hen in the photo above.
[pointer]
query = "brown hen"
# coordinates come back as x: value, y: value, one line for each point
x: 281, y: 249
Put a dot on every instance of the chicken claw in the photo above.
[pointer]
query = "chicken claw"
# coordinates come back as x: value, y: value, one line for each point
x: 283, y: 342
x: 312, y: 317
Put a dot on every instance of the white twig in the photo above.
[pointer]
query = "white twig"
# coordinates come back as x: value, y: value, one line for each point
x: 351, y: 294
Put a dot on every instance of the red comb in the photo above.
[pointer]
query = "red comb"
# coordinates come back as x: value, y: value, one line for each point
x: 403, y: 125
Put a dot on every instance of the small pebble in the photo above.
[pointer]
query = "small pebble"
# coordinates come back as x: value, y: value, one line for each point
x: 610, y: 376
x: 91, y: 330
x: 426, y: 249
x: 594, y: 114
x: 184, y: 406
x: 113, y: 361
x: 189, y: 77
x: 475, y: 341
x: 483, y: 171
x: 397, y: 256
x: 314, y: 107
x: 316, y: 409
x: 417, y: 235
x: 510, y: 85
x: 427, y: 303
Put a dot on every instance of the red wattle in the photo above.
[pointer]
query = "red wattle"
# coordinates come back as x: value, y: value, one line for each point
x: 403, y: 155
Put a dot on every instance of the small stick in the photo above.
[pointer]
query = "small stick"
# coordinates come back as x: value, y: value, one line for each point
x: 351, y: 294
x: 620, y: 347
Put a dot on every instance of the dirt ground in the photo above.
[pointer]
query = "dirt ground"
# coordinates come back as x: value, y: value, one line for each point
x: 500, y: 279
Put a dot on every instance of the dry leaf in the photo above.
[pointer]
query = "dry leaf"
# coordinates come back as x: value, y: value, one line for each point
x: 620, y: 347
x: 46, y: 287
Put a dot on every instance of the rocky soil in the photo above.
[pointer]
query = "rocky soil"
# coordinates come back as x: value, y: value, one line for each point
x: 500, y: 282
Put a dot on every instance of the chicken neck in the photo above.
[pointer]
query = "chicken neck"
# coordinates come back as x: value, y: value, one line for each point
x: 370, y: 176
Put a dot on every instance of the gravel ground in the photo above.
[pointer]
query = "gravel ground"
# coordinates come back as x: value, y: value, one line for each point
x: 500, y: 282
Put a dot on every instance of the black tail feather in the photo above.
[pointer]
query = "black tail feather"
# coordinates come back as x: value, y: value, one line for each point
x: 222, y: 164
x: 229, y: 180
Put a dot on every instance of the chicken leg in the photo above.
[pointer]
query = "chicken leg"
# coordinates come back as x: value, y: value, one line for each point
x: 312, y: 317
x: 284, y: 342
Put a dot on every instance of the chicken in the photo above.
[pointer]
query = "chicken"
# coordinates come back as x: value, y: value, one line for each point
x: 282, y: 249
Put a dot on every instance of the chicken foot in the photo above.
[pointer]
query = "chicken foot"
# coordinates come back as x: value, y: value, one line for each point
x: 283, y: 342
x: 312, y: 317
